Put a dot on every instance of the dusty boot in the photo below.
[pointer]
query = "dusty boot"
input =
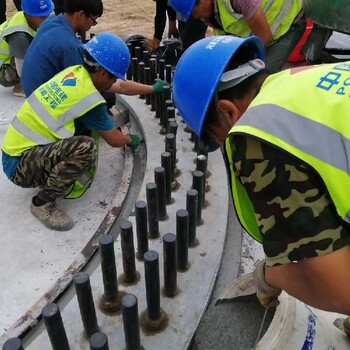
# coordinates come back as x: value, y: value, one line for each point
x: 52, y: 217
x: 18, y: 91
x: 267, y: 295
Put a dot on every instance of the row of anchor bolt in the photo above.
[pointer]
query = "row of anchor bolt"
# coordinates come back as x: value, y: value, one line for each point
x: 143, y: 69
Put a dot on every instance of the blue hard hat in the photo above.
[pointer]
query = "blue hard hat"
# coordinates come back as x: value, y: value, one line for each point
x: 198, y: 74
x: 37, y: 8
x: 184, y: 7
x: 110, y: 52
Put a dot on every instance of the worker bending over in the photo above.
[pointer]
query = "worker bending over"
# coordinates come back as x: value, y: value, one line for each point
x: 279, y: 23
x: 286, y: 142
x: 41, y: 147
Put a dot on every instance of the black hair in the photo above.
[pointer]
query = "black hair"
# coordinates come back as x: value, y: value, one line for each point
x: 90, y: 7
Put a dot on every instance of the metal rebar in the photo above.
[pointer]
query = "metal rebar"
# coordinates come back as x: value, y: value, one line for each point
x: 98, y: 341
x: 141, y: 228
x: 108, y: 267
x: 201, y: 165
x: 137, y: 52
x: 129, y: 72
x: 151, y: 259
x: 197, y: 184
x: 135, y: 69
x: 128, y: 251
x: 182, y: 239
x: 166, y: 164
x: 159, y: 179
x: 169, y: 257
x: 131, y: 322
x: 161, y: 69
x: 141, y: 75
x: 152, y: 209
x: 191, y: 207
x: 170, y: 115
x: 145, y: 55
x: 54, y: 326
x: 147, y: 71
x: 86, y: 303
x: 13, y: 344
x: 153, y: 65
x: 168, y: 73
x: 170, y: 146
x: 168, y: 104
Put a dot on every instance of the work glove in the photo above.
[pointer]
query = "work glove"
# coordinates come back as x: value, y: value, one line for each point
x: 135, y: 141
x: 267, y: 295
x: 158, y: 86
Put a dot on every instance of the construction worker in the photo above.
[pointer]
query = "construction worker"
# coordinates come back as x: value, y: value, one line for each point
x: 287, y: 160
x: 41, y: 148
x: 56, y: 47
x: 279, y: 24
x: 16, y: 36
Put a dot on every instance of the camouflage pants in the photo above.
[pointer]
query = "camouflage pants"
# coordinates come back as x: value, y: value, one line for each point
x: 295, y: 214
x: 56, y: 166
x: 8, y: 74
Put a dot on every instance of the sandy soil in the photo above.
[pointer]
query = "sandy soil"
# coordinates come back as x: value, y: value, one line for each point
x: 121, y: 17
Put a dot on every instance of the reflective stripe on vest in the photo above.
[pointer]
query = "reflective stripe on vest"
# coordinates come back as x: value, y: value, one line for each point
x: 17, y: 23
x: 280, y: 15
x: 48, y: 114
x: 57, y: 125
x: 312, y: 126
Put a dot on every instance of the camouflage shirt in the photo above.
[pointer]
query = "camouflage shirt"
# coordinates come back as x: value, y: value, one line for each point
x: 293, y: 209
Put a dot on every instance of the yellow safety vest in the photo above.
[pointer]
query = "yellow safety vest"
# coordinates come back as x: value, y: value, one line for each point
x: 17, y: 23
x: 48, y: 114
x: 280, y: 15
x: 303, y: 111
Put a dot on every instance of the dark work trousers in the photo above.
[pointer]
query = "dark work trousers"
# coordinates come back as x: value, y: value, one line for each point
x: 162, y: 9
x: 191, y: 31
x: 56, y: 166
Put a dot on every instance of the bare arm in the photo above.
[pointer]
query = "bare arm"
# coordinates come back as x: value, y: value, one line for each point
x: 259, y: 26
x: 326, y: 278
x: 115, y: 138
x: 128, y: 87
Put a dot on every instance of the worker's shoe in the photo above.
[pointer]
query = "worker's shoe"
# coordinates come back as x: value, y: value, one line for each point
x: 52, y: 217
x: 267, y: 295
x: 18, y: 91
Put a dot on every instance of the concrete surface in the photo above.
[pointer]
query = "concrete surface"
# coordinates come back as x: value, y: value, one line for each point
x: 33, y: 258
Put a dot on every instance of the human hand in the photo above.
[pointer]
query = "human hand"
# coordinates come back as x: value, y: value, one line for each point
x: 267, y: 295
x: 135, y: 141
x: 172, y: 30
x: 158, y: 86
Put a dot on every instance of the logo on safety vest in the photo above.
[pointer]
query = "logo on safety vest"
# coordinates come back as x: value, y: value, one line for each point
x: 69, y: 80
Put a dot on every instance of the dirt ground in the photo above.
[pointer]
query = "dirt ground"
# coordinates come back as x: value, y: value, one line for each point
x: 121, y: 17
